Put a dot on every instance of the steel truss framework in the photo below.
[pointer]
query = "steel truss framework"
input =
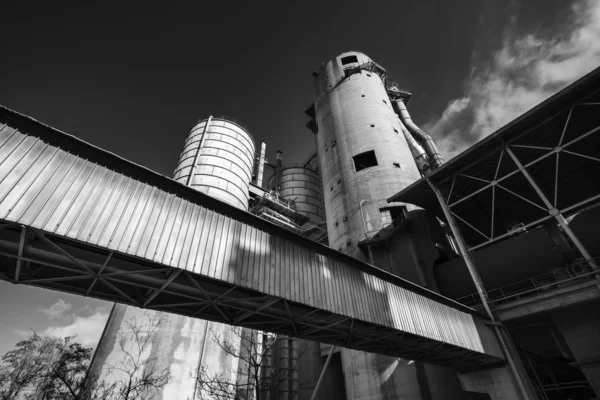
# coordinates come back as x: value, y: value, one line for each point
x: 31, y: 257
x: 78, y: 219
x: 544, y: 165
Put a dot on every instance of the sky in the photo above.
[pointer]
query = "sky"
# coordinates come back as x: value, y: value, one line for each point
x: 133, y: 79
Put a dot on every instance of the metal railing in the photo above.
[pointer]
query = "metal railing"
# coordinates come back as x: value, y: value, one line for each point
x: 276, y: 198
x: 578, y: 271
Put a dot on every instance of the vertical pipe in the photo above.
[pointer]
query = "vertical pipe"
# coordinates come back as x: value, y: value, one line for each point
x: 278, y: 170
x: 320, y: 380
x: 362, y: 217
x: 522, y: 382
x: 189, y: 179
x: 261, y: 164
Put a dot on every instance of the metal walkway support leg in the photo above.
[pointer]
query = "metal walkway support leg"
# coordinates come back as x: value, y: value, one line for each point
x: 523, y: 383
x: 314, y: 395
x: 552, y: 210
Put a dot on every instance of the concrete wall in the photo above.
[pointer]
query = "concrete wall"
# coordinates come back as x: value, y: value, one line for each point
x: 178, y: 345
x: 498, y: 383
x: 354, y: 115
x: 580, y: 327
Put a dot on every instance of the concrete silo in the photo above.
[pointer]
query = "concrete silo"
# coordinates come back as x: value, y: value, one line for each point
x: 364, y: 157
x: 366, y: 154
x: 217, y: 159
x: 302, y: 186
x: 222, y: 168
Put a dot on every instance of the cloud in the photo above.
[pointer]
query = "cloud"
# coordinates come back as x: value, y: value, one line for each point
x: 23, y: 333
x: 526, y: 70
x: 58, y: 309
x: 87, y: 330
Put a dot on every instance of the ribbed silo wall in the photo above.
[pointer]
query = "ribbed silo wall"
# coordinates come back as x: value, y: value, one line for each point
x: 181, y: 345
x: 221, y: 163
x: 354, y: 115
x: 303, y: 186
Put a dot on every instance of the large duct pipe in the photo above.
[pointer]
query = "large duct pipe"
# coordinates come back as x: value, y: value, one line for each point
x: 417, y: 151
x: 424, y: 139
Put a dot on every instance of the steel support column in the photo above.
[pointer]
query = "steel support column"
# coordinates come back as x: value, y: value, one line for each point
x: 554, y: 212
x: 320, y: 380
x: 522, y: 380
x: 191, y: 175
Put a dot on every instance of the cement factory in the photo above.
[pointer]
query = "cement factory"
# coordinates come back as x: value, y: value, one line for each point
x: 372, y: 271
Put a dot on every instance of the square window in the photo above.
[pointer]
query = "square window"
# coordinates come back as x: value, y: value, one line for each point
x: 364, y: 160
x: 349, y: 60
x: 396, y: 165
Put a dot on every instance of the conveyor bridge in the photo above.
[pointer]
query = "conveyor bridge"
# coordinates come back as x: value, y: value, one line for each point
x: 78, y: 219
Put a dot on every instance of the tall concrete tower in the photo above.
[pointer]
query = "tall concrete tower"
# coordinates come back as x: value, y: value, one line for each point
x: 217, y: 160
x: 364, y: 159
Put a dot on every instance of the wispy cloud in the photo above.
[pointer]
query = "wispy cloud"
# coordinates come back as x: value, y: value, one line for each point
x: 526, y: 70
x: 86, y: 329
x: 58, y: 309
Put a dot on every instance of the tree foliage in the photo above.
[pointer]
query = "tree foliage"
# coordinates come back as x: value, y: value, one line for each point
x: 44, y: 368
x: 48, y: 368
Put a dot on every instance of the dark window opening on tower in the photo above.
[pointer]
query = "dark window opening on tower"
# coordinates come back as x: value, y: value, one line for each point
x: 392, y: 216
x: 396, y: 165
x: 349, y: 60
x: 395, y: 130
x: 365, y: 160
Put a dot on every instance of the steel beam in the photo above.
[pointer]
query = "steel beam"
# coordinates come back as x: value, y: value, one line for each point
x: 521, y: 379
x: 554, y: 212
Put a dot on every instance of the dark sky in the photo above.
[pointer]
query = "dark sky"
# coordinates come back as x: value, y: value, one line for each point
x: 133, y: 78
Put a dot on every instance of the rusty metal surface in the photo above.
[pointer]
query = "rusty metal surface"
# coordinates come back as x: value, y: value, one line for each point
x: 72, y: 224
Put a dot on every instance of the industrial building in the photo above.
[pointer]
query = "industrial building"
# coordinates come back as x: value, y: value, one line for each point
x: 385, y: 272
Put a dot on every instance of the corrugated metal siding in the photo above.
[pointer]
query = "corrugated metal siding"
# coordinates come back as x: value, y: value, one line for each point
x: 47, y: 188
